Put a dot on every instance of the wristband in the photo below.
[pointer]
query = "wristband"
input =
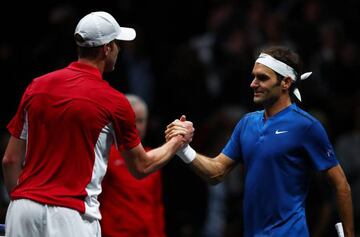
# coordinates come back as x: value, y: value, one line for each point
x: 339, y: 229
x: 187, y: 154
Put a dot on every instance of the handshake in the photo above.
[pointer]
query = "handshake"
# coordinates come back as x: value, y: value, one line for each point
x: 183, y: 131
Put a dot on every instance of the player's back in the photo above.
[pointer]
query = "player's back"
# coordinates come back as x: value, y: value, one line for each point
x: 68, y: 122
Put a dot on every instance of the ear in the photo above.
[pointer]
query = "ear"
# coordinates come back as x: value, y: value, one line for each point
x: 286, y: 83
x: 107, y: 48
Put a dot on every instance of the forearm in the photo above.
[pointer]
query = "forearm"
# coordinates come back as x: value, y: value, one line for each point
x: 11, y: 171
x: 211, y: 170
x: 208, y: 169
x: 343, y: 198
x: 12, y: 162
x: 344, y: 202
x: 158, y: 157
x: 141, y: 163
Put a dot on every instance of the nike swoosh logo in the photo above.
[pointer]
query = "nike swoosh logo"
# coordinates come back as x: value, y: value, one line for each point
x: 280, y: 132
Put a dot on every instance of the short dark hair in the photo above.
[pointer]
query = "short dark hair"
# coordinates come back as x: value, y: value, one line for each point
x: 290, y: 58
x: 285, y: 55
x: 86, y: 52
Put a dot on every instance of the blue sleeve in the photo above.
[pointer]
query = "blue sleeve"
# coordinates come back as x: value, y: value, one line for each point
x: 319, y: 148
x: 233, y: 147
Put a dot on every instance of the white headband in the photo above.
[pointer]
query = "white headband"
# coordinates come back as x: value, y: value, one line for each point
x: 283, y: 69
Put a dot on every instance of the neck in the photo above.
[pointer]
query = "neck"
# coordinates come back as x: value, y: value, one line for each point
x: 279, y: 105
x: 94, y: 63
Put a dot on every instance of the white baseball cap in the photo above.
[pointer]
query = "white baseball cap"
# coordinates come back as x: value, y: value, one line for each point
x: 99, y: 28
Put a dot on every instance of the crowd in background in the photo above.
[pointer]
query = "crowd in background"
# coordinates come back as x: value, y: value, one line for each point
x: 195, y: 58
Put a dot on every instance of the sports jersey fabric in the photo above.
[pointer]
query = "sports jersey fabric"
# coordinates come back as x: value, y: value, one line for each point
x: 278, y: 154
x: 131, y: 207
x: 69, y: 119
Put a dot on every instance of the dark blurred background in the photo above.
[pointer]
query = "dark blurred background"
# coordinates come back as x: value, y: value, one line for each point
x: 195, y: 58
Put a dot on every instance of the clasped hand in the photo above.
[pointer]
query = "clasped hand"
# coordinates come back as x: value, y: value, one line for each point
x: 180, y: 127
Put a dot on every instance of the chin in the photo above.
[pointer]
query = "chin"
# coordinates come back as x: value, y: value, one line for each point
x: 109, y: 69
x: 258, y: 101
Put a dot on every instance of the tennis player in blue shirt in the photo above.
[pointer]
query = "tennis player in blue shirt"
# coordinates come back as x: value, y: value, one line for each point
x: 277, y: 147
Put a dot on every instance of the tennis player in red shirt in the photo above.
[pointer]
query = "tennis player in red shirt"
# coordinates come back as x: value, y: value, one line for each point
x: 61, y: 136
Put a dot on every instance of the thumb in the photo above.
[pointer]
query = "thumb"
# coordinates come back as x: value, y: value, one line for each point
x: 183, y: 118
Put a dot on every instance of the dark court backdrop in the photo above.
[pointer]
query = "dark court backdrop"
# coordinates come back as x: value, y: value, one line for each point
x: 195, y: 58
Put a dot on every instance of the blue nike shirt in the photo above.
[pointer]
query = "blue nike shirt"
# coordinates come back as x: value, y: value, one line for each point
x: 278, y: 155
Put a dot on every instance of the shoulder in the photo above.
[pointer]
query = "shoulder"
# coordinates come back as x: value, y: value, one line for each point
x: 253, y: 115
x: 249, y: 119
x: 302, y: 116
x: 120, y: 97
x: 307, y: 123
x: 40, y: 82
x: 121, y: 106
x: 114, y: 100
x: 52, y: 74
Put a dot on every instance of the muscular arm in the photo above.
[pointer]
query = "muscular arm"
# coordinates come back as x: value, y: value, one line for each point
x: 343, y: 197
x: 12, y: 161
x: 212, y: 170
x: 142, y: 163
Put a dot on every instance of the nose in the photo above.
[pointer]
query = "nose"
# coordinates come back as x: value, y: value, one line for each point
x: 254, y: 83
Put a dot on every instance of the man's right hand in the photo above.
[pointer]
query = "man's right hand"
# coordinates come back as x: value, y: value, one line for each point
x: 180, y: 127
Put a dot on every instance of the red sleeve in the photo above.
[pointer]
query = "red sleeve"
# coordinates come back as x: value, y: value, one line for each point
x: 126, y: 134
x: 17, y: 126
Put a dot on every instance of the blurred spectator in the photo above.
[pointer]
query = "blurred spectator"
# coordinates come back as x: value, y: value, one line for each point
x: 304, y: 27
x: 222, y: 213
x: 131, y: 207
x: 58, y: 29
x: 137, y: 65
x: 184, y: 89
x: 232, y: 57
x: 275, y: 33
x: 324, y: 59
x: 185, y: 196
x: 204, y: 45
x: 254, y: 22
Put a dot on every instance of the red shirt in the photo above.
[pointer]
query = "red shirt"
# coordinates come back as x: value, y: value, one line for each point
x: 130, y: 207
x: 69, y: 119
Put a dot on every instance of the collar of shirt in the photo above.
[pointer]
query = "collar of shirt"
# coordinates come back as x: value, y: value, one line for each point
x: 278, y: 114
x: 86, y: 68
